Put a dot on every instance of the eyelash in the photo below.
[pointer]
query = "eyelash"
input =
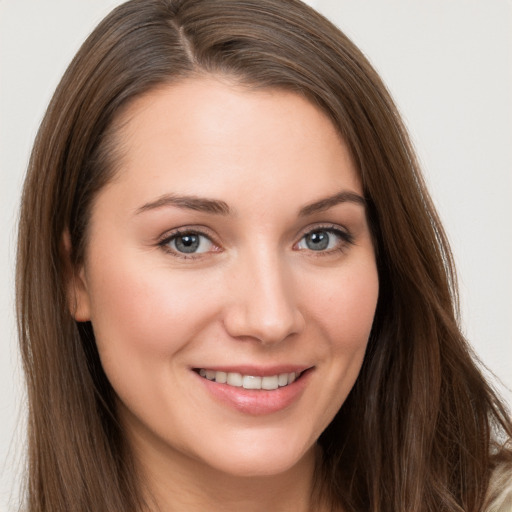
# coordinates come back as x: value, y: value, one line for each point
x: 345, y: 237
x: 169, y: 237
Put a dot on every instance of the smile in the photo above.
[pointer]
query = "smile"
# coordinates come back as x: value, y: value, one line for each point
x: 255, y: 390
x: 268, y: 382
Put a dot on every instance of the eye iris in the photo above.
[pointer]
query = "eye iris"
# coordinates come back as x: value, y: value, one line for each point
x: 187, y: 243
x: 317, y: 241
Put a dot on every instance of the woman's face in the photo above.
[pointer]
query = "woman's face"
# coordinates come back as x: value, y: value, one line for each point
x: 232, y: 245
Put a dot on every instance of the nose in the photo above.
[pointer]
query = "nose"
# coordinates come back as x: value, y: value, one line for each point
x: 262, y: 301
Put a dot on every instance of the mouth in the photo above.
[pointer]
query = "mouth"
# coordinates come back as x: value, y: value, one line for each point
x: 253, y: 390
x: 250, y: 382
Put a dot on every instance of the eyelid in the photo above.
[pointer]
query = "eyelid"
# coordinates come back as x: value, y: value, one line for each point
x: 337, y: 228
x: 346, y: 239
x: 164, y: 240
x: 345, y: 235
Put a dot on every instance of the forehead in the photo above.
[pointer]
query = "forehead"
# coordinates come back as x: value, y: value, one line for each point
x: 210, y: 136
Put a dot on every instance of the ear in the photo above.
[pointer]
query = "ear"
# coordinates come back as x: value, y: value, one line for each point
x: 75, y: 283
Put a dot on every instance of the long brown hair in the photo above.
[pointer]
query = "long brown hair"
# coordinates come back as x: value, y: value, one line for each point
x: 421, y: 426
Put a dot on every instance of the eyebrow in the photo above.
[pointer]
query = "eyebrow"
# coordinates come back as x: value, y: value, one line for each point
x: 328, y: 202
x: 200, y: 204
x: 219, y: 207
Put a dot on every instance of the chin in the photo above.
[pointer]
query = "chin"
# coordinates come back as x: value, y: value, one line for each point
x: 260, y: 459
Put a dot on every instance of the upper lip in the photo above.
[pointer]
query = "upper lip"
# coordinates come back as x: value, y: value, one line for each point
x: 260, y: 371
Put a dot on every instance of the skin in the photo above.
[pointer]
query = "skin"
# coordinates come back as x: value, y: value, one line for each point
x: 256, y: 294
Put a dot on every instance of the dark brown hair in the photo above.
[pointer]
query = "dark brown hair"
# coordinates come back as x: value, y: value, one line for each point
x: 421, y: 426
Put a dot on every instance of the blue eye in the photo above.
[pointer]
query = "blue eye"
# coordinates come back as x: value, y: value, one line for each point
x: 322, y: 239
x: 189, y: 243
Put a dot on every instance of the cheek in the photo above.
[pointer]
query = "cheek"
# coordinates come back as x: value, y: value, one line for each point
x: 341, y: 309
x: 344, y: 307
x: 145, y: 316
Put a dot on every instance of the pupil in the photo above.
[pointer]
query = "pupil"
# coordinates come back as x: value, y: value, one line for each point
x: 317, y: 241
x: 187, y: 243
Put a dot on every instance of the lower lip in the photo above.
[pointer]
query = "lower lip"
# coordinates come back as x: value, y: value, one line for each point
x: 257, y: 402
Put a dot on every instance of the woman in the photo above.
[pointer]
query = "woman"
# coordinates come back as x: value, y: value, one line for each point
x: 233, y: 289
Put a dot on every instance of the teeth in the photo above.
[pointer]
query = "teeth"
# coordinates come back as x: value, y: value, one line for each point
x: 270, y: 382
x: 221, y: 377
x: 250, y: 381
x: 234, y: 379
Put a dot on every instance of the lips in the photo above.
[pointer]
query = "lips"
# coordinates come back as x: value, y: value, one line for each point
x: 255, y: 391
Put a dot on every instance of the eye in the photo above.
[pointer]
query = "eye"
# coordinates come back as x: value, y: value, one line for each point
x: 324, y: 239
x: 189, y: 242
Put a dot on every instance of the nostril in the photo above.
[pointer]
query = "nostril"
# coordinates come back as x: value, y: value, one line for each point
x: 247, y: 326
x: 263, y: 306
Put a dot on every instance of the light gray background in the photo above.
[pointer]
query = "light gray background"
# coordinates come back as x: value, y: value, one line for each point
x: 448, y: 65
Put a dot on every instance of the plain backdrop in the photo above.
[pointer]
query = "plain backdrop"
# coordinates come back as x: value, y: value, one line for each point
x: 448, y: 65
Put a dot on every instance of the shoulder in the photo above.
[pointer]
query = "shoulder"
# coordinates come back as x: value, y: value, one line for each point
x: 499, y: 494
